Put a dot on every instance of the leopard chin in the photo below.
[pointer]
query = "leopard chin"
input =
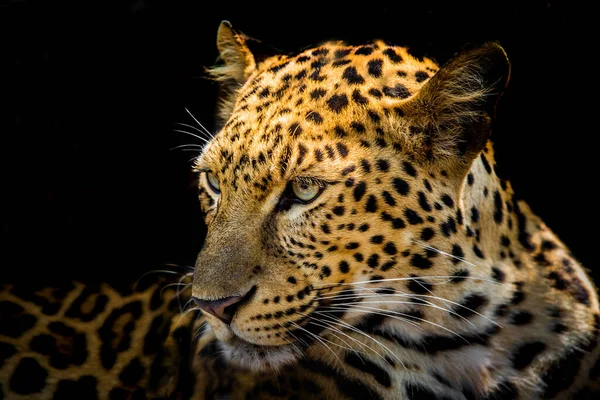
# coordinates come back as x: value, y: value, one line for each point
x: 259, y: 358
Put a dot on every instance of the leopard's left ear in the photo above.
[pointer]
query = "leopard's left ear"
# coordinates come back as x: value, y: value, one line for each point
x: 238, y: 63
x: 454, y: 109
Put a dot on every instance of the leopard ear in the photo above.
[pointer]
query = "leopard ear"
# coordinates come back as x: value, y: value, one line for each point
x: 453, y: 111
x: 238, y: 63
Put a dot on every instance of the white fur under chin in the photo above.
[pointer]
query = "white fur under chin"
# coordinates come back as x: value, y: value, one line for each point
x: 260, y: 358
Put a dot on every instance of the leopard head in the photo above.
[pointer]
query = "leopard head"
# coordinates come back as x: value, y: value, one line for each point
x: 334, y: 174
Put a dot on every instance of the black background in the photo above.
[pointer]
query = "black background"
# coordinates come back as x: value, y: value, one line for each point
x: 90, y: 189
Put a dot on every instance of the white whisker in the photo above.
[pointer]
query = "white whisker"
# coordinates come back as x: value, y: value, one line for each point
x: 394, y: 313
x: 199, y: 124
x: 321, y: 340
x: 191, y: 134
x: 447, y: 278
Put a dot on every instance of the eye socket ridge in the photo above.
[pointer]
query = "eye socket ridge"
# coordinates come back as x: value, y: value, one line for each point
x: 301, y: 190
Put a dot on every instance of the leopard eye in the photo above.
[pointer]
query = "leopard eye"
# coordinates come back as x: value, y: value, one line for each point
x: 213, y: 182
x: 305, y: 191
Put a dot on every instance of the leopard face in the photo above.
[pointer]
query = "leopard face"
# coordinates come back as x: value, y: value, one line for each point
x: 334, y: 186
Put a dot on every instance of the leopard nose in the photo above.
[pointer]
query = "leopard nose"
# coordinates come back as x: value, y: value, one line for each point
x: 223, y: 308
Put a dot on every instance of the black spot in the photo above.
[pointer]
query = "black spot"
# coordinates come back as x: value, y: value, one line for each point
x: 558, y: 280
x: 486, y: 164
x: 320, y: 52
x: 279, y: 67
x: 390, y: 249
x: 469, y: 305
x: 338, y: 210
x: 373, y: 261
x: 470, y: 179
x: 357, y: 127
x: 342, y: 149
x: 398, y: 91
x: 83, y: 388
x: 382, y: 165
x: 498, y: 275
x: 412, y: 216
x: 315, y: 117
x: 28, y: 377
x: 388, y: 198
x: 427, y: 234
x: 478, y: 252
x: 337, y: 102
x: 352, y: 76
x: 371, y: 205
x: 348, y: 170
x: 374, y: 67
x: 318, y: 93
x: 417, y: 285
x: 392, y: 55
x: 401, y: 186
x: 359, y: 191
x: 388, y: 265
x: 423, y: 202
x: 352, y: 246
x: 420, y: 76
x: 339, y: 132
x: 518, y: 297
x: 447, y: 200
x: 359, y: 98
x: 409, y: 169
x: 377, y: 239
x: 295, y: 129
x: 559, y: 327
x: 520, y: 317
x: 458, y: 253
x: 579, y: 292
x: 340, y: 53
x: 375, y: 93
x: 524, y: 354
x: 474, y: 214
x: 498, y: 211
x: 339, y: 63
x: 417, y: 260
x: 363, y: 364
x: 344, y: 267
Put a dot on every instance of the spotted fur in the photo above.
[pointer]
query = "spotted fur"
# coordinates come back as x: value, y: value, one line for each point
x: 414, y: 273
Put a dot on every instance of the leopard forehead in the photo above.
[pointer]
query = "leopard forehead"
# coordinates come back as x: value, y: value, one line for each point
x: 295, y: 111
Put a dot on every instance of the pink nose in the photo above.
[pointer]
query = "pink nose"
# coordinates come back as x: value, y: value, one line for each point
x: 223, y: 308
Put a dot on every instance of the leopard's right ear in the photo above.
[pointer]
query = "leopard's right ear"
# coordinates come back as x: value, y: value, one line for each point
x: 238, y: 63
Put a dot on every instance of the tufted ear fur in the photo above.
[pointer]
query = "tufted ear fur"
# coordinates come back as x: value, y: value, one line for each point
x: 238, y: 65
x: 451, y: 115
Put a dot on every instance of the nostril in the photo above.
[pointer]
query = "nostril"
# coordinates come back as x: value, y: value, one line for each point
x: 224, y: 308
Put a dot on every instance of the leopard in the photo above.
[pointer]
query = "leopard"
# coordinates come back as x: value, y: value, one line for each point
x: 360, y: 245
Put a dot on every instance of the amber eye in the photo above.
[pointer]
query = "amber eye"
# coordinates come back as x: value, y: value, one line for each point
x: 213, y: 182
x: 305, y: 191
